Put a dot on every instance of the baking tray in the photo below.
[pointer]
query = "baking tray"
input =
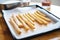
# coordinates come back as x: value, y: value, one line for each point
x: 43, y: 29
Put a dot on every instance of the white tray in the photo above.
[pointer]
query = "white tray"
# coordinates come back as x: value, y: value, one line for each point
x: 38, y: 30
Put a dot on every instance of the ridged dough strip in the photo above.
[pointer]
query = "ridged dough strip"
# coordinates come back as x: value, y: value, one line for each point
x: 28, y: 19
x: 40, y: 13
x: 45, y: 18
x: 14, y: 25
x: 28, y: 23
x: 17, y: 21
x: 44, y: 22
x: 24, y: 24
x: 40, y: 22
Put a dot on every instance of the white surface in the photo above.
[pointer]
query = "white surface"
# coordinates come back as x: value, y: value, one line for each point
x: 54, y: 9
x: 14, y: 1
x: 26, y: 0
x: 55, y: 2
x: 38, y: 28
x: 9, y: 2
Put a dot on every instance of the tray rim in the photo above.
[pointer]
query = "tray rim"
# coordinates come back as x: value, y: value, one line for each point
x: 41, y: 8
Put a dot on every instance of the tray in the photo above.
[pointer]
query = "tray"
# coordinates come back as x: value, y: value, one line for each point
x: 38, y: 30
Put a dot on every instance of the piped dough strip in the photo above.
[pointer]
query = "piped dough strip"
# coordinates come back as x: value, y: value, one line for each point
x: 28, y: 23
x: 45, y: 18
x: 17, y: 21
x: 40, y: 13
x: 44, y: 22
x: 24, y: 24
x: 28, y: 19
x: 40, y: 22
x: 14, y: 25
